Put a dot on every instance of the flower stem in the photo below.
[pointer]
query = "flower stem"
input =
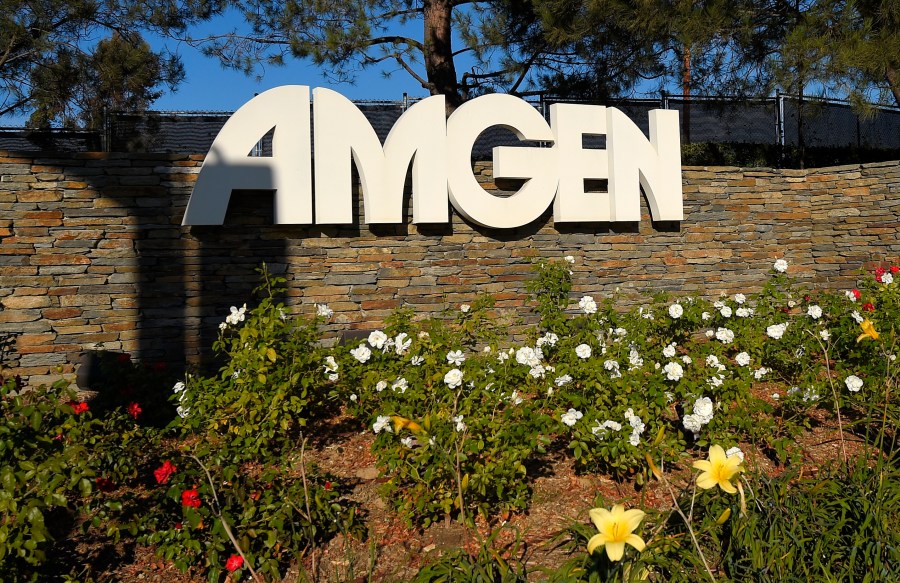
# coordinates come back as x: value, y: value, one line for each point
x: 225, y: 527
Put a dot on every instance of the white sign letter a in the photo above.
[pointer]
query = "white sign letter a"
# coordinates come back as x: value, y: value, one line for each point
x: 288, y: 172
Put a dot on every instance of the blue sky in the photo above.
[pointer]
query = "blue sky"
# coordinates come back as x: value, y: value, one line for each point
x: 210, y: 87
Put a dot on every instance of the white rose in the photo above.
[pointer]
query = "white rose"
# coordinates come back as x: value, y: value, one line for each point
x: 724, y: 335
x: 455, y: 357
x: 676, y: 311
x: 569, y: 259
x: 692, y: 423
x: 725, y: 311
x: 703, y: 407
x: 825, y: 335
x: 854, y: 383
x: 776, y: 331
x: 571, y: 417
x: 742, y: 359
x: 563, y: 380
x: 781, y: 266
x: 673, y: 371
x: 402, y: 343
x: 887, y: 279
x: 669, y: 351
x: 526, y: 356
x: 588, y: 305
x: 453, y: 378
x: 735, y: 451
x: 814, y: 312
x: 362, y: 353
x: 382, y: 423
x: 377, y: 339
x: 583, y: 351
x: 740, y: 298
x: 324, y: 311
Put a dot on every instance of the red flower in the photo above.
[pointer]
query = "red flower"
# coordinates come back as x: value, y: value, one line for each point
x: 894, y: 269
x: 164, y: 471
x: 879, y: 271
x: 178, y: 526
x: 124, y: 357
x: 868, y: 307
x: 134, y: 409
x: 328, y: 485
x: 78, y: 408
x: 856, y: 293
x: 105, y: 485
x: 234, y: 563
x: 190, y: 498
x: 806, y: 298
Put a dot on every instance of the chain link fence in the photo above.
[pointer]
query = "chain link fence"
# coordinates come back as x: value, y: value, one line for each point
x: 783, y: 120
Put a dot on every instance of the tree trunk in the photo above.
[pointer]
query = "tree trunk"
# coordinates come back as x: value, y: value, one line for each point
x: 439, y: 66
x: 893, y: 79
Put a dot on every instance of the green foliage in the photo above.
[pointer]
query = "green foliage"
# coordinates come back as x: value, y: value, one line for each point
x: 774, y: 156
x: 58, y: 461
x: 274, y: 513
x: 268, y: 387
x: 462, y: 420
x: 455, y: 429
x: 251, y: 489
x: 491, y: 563
x: 839, y: 525
x: 45, y: 470
x: 55, y: 68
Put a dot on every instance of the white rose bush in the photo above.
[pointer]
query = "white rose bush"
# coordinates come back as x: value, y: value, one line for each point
x: 459, y: 412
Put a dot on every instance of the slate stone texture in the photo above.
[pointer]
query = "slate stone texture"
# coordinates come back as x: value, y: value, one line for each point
x: 93, y: 254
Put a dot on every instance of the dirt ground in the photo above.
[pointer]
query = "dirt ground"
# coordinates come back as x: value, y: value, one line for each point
x: 393, y: 551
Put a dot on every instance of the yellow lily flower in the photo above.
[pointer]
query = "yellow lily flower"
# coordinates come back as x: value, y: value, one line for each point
x: 404, y: 423
x: 718, y: 470
x: 868, y: 329
x: 616, y: 528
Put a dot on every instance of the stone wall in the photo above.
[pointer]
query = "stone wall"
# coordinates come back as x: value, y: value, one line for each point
x: 92, y: 252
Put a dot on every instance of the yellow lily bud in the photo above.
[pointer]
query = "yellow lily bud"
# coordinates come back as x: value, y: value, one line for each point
x: 726, y: 514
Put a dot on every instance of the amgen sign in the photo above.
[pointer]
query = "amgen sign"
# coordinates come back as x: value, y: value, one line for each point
x: 439, y: 149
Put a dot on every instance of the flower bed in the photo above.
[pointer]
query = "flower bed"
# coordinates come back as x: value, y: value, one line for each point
x: 462, y: 423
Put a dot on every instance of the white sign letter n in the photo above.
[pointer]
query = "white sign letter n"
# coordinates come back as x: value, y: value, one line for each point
x: 655, y: 164
x: 228, y: 165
